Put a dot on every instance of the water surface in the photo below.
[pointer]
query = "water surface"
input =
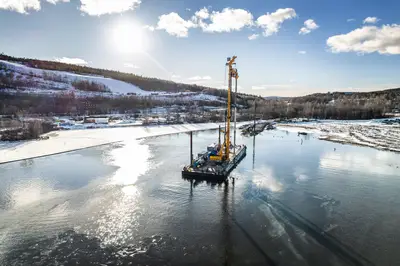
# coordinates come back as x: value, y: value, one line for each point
x: 296, y: 200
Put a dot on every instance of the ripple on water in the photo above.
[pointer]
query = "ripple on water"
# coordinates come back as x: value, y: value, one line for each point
x: 71, y: 246
x: 127, y: 203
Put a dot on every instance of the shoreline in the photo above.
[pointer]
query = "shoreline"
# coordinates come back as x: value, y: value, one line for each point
x: 73, y: 140
x: 373, y: 135
x: 366, y: 134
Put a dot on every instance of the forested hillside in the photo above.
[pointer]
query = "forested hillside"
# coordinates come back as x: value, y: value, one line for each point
x: 44, y: 105
x: 337, y: 105
x: 144, y: 83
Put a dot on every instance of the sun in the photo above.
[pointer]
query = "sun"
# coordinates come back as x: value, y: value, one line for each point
x: 129, y: 38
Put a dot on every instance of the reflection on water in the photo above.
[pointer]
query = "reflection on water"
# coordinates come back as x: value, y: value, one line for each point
x: 226, y: 239
x: 381, y: 163
x: 295, y: 201
x: 116, y: 222
x: 23, y: 193
x: 131, y: 160
x: 254, y: 151
x: 26, y: 163
x: 198, y: 181
x: 300, y: 173
x: 264, y: 178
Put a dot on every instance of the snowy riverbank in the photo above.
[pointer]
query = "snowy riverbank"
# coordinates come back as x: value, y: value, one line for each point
x: 64, y: 141
x: 365, y: 133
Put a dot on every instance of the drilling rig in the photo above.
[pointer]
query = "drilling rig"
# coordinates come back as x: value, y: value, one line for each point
x: 219, y: 160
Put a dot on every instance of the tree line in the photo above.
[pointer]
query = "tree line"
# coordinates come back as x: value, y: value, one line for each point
x: 323, y: 106
x: 320, y: 106
x: 68, y: 104
x: 85, y: 85
x: 347, y: 106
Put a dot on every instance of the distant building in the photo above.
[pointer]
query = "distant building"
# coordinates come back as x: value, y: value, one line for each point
x: 158, y: 110
x: 96, y: 120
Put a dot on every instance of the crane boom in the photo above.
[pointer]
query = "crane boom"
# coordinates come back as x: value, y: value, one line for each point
x: 232, y: 73
x: 224, y: 151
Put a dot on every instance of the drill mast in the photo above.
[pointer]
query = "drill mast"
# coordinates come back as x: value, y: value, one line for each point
x: 232, y: 73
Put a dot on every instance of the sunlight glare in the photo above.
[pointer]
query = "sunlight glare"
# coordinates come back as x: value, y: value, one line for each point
x: 129, y: 38
x: 131, y: 153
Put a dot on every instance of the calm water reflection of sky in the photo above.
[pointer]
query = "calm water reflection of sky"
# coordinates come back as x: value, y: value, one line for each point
x: 129, y: 195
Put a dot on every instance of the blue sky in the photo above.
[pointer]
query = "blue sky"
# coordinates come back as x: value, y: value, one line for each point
x: 284, y: 48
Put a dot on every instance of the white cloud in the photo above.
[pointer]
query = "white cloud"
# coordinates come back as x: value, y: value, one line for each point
x: 23, y: 6
x: 200, y: 16
x: 202, y: 13
x: 150, y: 28
x: 253, y: 36
x: 368, y: 39
x: 271, y: 23
x: 175, y: 76
x: 228, y: 20
x: 56, y: 1
x: 197, y: 78
x: 101, y: 7
x: 174, y: 25
x: 304, y: 31
x: 72, y: 61
x: 350, y: 20
x: 20, y: 6
x: 188, y: 9
x: 371, y: 20
x: 309, y: 26
x: 302, y: 52
x: 130, y: 65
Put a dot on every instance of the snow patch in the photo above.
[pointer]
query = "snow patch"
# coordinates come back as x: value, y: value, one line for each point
x: 49, y: 82
x: 69, y: 140
x: 365, y: 133
x: 115, y: 86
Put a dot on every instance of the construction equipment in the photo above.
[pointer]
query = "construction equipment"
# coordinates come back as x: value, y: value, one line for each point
x: 219, y: 160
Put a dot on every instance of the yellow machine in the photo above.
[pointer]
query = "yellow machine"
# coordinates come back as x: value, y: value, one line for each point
x: 219, y: 161
x: 224, y: 152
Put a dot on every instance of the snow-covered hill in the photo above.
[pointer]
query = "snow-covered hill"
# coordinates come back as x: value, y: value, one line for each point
x: 49, y: 82
x: 47, y: 79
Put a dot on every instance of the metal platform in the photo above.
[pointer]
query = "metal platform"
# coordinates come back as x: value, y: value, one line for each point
x: 219, y: 160
x: 215, y: 171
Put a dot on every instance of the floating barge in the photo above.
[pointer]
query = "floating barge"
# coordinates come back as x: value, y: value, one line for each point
x: 206, y: 169
x: 220, y: 159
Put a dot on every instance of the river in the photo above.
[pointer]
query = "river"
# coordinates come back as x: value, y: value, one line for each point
x: 295, y: 200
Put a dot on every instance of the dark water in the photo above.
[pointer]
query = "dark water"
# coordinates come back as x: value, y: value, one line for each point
x: 295, y: 201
